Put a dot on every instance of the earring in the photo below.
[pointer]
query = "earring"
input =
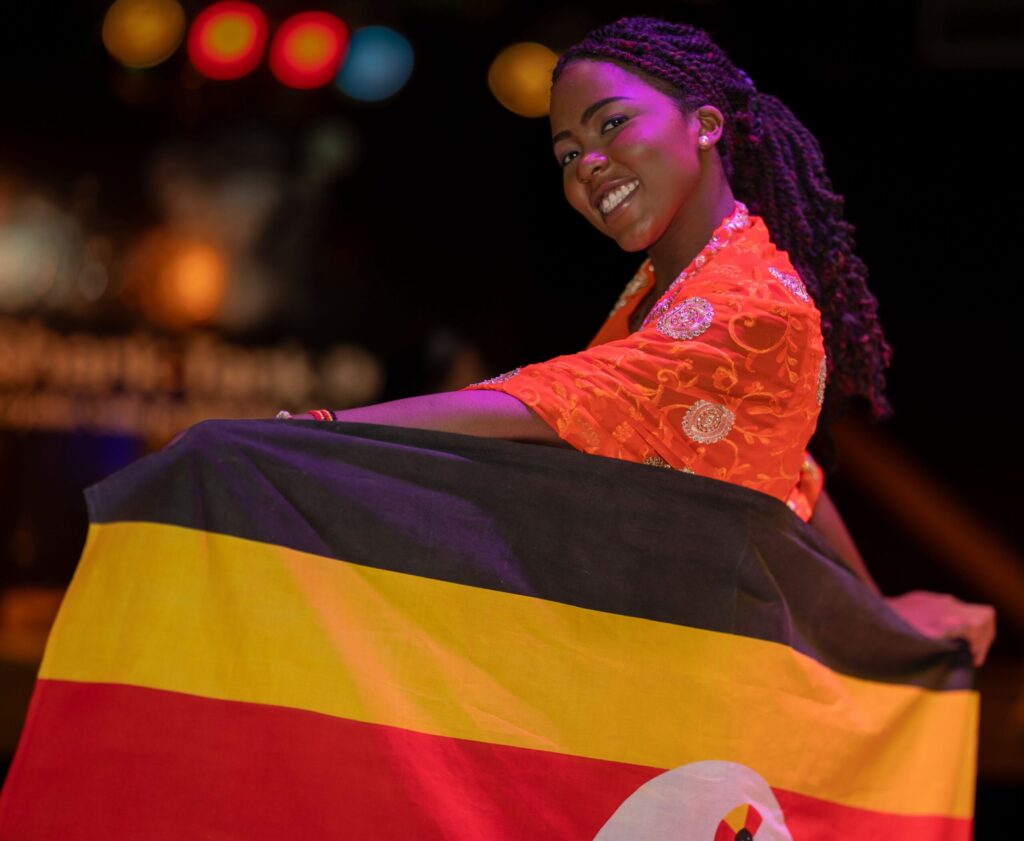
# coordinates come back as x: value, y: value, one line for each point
x: 703, y: 141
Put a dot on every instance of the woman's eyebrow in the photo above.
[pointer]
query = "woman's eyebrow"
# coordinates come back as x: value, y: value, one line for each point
x: 587, y: 114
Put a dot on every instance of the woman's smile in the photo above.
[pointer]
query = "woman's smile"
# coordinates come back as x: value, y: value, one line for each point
x: 614, y: 202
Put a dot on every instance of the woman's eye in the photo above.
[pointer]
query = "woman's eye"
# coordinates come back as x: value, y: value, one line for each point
x: 618, y: 121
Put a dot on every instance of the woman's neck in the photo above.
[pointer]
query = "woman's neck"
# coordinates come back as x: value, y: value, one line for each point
x: 689, y: 233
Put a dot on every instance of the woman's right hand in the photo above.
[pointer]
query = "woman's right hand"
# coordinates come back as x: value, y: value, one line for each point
x: 943, y: 616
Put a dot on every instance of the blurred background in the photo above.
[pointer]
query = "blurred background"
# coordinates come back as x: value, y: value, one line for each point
x: 225, y: 209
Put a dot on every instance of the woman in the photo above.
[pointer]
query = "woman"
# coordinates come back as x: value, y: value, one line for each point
x: 715, y: 358
x: 391, y: 633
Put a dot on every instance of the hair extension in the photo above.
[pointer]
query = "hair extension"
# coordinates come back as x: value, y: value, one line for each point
x: 775, y: 166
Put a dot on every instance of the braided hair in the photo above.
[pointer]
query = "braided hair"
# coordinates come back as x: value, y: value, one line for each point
x: 775, y: 166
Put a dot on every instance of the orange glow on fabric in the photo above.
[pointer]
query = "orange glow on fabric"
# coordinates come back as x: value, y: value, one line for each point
x: 227, y: 40
x: 308, y: 49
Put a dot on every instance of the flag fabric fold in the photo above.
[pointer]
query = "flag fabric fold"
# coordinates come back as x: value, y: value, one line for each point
x: 298, y: 629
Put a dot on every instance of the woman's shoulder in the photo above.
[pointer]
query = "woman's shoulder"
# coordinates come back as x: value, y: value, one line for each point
x: 752, y: 267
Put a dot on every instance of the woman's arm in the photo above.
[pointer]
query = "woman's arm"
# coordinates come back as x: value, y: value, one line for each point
x: 490, y: 414
x: 829, y: 523
x: 936, y: 615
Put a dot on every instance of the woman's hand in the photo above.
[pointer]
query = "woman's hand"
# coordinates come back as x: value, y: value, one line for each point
x: 942, y: 616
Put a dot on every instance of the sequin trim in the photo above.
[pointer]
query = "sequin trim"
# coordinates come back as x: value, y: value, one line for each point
x: 500, y: 378
x: 822, y: 374
x: 791, y: 282
x: 655, y: 460
x: 640, y: 279
x: 738, y: 220
x: 688, y: 320
x: 809, y: 466
x: 708, y: 422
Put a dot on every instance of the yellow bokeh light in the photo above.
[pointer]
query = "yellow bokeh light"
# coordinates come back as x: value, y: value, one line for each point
x: 143, y: 33
x: 309, y: 46
x: 520, y: 78
x: 230, y: 34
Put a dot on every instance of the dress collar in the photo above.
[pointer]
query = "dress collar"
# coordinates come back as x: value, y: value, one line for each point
x: 617, y: 323
x: 737, y: 220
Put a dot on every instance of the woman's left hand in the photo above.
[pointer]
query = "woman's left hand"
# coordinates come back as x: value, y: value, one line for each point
x: 943, y: 616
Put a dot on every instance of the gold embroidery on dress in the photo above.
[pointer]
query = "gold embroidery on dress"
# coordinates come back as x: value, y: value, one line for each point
x: 708, y: 422
x: 638, y: 281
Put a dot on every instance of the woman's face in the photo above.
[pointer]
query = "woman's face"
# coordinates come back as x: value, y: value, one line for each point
x: 629, y: 157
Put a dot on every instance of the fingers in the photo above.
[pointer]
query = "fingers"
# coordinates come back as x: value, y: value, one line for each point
x: 943, y: 616
x: 975, y: 623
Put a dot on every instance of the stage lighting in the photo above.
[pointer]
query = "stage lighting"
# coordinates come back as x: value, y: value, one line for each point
x: 520, y: 78
x: 227, y: 39
x: 308, y: 49
x: 379, y: 64
x: 143, y: 33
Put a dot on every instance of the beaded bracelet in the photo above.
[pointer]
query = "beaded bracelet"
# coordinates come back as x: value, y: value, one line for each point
x: 318, y: 414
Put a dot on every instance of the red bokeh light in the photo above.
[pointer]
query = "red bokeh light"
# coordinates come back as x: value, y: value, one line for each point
x: 227, y: 39
x: 308, y: 49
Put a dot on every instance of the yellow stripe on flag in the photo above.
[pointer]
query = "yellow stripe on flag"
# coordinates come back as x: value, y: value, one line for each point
x: 179, y: 609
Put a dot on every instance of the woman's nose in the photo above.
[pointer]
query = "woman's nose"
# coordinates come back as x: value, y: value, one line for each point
x: 592, y: 163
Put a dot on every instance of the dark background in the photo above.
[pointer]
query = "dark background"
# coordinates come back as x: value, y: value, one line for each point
x: 452, y: 216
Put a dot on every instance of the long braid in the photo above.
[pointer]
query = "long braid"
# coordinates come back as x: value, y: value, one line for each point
x: 775, y: 166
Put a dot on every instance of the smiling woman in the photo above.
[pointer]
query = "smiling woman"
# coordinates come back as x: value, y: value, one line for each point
x: 751, y: 300
x: 354, y: 624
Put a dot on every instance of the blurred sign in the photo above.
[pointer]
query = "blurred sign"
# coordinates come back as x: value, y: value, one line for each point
x: 153, y: 387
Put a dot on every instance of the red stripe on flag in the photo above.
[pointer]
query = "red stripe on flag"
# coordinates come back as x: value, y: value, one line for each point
x: 101, y: 761
x: 809, y: 819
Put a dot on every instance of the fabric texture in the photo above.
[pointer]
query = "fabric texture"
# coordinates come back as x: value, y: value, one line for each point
x: 725, y: 380
x: 287, y: 629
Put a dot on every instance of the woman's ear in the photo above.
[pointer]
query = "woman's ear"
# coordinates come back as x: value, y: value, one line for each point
x: 712, y: 123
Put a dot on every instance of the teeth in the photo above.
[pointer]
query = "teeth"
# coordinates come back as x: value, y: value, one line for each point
x: 615, y: 197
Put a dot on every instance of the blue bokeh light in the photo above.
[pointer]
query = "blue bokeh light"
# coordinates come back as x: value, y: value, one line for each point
x: 378, y: 65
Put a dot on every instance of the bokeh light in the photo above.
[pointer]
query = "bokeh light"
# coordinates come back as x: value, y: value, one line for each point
x: 308, y: 49
x: 379, y: 64
x: 520, y: 78
x: 143, y: 33
x: 227, y: 39
x: 177, y: 281
x: 39, y: 248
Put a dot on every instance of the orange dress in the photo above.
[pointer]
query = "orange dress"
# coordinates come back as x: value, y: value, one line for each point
x: 724, y: 379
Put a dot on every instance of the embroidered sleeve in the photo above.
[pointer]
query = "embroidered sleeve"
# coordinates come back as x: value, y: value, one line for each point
x: 724, y: 381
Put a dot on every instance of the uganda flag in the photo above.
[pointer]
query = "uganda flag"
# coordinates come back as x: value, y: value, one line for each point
x: 302, y: 630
